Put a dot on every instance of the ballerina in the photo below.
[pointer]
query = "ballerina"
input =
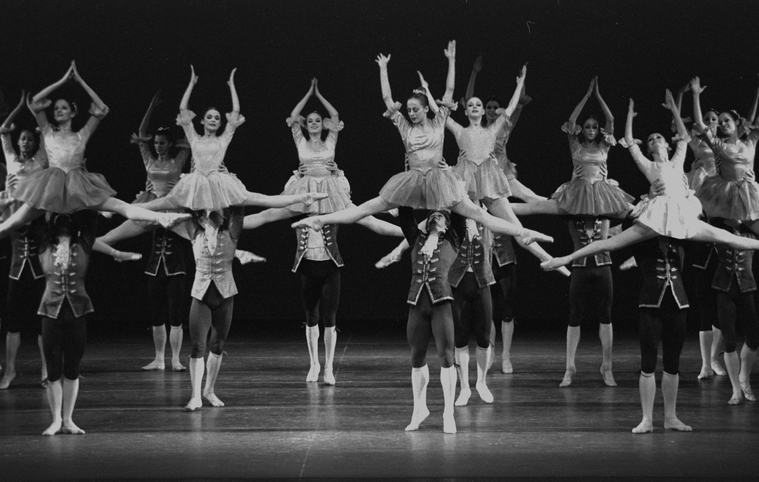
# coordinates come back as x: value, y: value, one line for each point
x: 428, y: 183
x: 210, y: 186
x: 317, y: 258
x: 492, y: 107
x: 66, y: 186
x: 674, y: 214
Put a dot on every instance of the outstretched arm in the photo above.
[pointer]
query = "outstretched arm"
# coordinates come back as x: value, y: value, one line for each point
x: 680, y: 93
x: 98, y: 109
x: 604, y: 108
x: 669, y: 103
x: 430, y: 98
x: 300, y: 105
x: 629, y: 124
x: 387, y: 96
x: 332, y: 111
x: 380, y: 227
x: 514, y: 102
x: 580, y: 106
x: 185, y: 102
x: 695, y: 87
x: 450, y: 81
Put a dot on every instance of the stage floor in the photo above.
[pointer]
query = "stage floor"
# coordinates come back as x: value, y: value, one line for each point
x: 276, y: 425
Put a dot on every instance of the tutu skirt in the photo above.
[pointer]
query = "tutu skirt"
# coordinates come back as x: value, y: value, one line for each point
x: 435, y: 189
x: 580, y: 197
x: 144, y: 197
x: 483, y: 181
x: 729, y: 199
x: 672, y: 217
x: 213, y: 191
x: 336, y: 186
x: 63, y: 192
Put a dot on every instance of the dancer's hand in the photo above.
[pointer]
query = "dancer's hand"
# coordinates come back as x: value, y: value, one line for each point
x: 231, y: 81
x: 313, y: 223
x: 423, y: 82
x: 695, y: 85
x: 631, y: 109
x: 450, y: 52
x: 555, y: 263
x: 193, y: 77
x: 590, y: 88
x: 137, y: 139
x: 382, y: 60
x: 37, y: 106
x: 658, y: 188
x: 477, y: 64
x: 528, y: 236
x: 522, y: 74
x: 684, y: 89
x: 311, y: 197
x: 669, y: 101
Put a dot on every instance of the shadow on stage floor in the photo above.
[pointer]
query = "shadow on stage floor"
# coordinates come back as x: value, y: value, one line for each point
x: 275, y: 425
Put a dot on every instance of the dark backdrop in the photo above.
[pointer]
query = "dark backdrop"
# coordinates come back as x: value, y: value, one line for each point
x: 126, y: 50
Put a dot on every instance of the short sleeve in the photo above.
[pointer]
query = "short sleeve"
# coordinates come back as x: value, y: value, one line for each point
x: 147, y: 156
x: 184, y: 119
x: 234, y: 120
x: 395, y: 116
x: 296, y: 126
x: 332, y: 129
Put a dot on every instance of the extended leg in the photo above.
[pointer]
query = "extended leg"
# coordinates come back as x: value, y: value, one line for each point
x: 537, y: 206
x: 634, y: 234
x: 19, y: 219
x: 346, y: 216
x: 468, y: 209
x: 136, y: 213
x: 127, y: 229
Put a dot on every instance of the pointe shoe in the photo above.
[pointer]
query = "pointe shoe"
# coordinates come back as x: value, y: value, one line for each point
x: 390, y: 258
x: 736, y: 399
x: 464, y: 395
x: 718, y: 370
x: 449, y: 423
x: 746, y: 389
x: 193, y: 404
x: 554, y: 263
x: 484, y: 392
x: 567, y: 381
x: 706, y: 372
x: 329, y: 376
x: 121, y: 256
x: 167, y: 220
x: 608, y: 378
x: 154, y: 366
x: 313, y: 373
x: 416, y: 419
x: 528, y: 236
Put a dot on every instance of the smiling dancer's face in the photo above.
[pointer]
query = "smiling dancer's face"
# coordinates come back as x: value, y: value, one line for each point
x: 314, y: 123
x: 474, y: 108
x: 590, y: 129
x: 726, y: 124
x: 211, y: 120
x: 490, y: 110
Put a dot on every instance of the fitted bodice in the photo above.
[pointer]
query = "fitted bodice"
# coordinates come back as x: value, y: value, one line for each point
x: 590, y: 159
x: 477, y: 143
x: 704, y: 156
x: 423, y: 141
x: 65, y: 150
x: 735, y: 161
x: 315, y: 155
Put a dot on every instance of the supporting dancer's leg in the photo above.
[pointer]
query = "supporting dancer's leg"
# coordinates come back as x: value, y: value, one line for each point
x: 330, y: 340
x: 420, y: 378
x: 312, y: 340
x: 748, y: 356
x: 196, y: 379
x: 717, y: 341
x: 573, y: 340
x: 647, y: 388
x: 55, y: 400
x: 483, y: 354
x: 669, y: 385
x: 43, y: 370
x: 70, y: 392
x: 733, y: 365
x: 709, y: 234
x: 159, y: 343
x: 12, y: 342
x: 507, y: 334
x: 448, y: 381
x: 606, y: 334
x: 175, y: 340
x: 705, y: 339
x: 461, y: 356
x: 212, y: 372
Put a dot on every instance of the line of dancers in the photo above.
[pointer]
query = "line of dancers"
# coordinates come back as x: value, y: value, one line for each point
x: 457, y: 221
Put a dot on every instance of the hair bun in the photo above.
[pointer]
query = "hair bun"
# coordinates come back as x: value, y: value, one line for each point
x: 420, y: 90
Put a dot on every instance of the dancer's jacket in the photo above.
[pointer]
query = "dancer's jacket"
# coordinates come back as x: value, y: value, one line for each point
x: 660, y: 261
x: 329, y: 235
x: 24, y: 249
x: 734, y: 266
x: 474, y: 254
x: 167, y: 253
